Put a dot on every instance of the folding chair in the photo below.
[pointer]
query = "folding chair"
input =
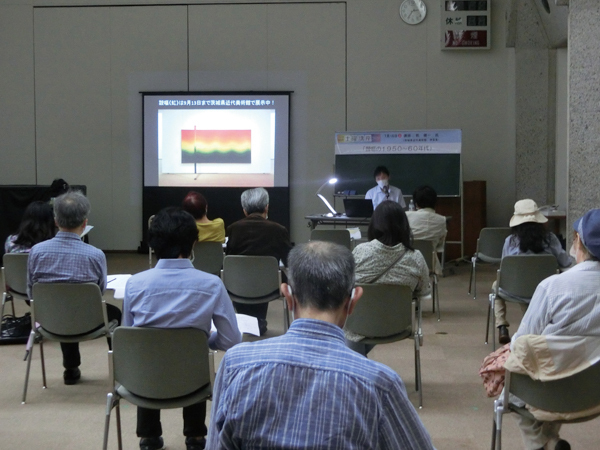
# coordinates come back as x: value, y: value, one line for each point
x: 208, y: 257
x: 65, y: 312
x: 14, y: 274
x: 341, y: 237
x: 571, y: 394
x: 516, y: 281
x: 150, y: 251
x: 489, y: 250
x: 158, y: 369
x: 388, y: 313
x: 429, y: 253
x: 254, y: 280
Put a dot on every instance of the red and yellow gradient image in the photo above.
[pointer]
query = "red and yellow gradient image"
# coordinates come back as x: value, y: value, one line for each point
x: 216, y: 146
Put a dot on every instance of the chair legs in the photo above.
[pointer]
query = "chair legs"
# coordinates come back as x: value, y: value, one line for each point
x: 473, y: 278
x: 43, y: 363
x: 497, y: 436
x: 437, y: 296
x: 487, y: 328
x: 29, y: 355
x: 286, y: 316
x: 112, y: 401
x: 493, y: 319
x: 418, y: 384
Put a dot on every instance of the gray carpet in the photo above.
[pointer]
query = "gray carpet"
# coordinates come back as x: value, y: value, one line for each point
x: 456, y: 411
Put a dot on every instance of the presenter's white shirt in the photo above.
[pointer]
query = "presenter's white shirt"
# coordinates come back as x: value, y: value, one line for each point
x: 377, y: 195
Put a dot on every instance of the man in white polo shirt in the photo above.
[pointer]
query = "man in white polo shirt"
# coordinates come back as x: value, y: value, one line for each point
x: 383, y: 191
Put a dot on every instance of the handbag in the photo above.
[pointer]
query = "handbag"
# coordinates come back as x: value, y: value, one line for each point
x: 492, y: 371
x: 15, y: 330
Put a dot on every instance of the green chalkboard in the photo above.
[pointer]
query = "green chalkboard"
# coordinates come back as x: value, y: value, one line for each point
x: 407, y: 172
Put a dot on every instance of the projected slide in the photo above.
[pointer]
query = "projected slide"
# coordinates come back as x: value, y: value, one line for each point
x: 216, y: 146
x: 216, y: 140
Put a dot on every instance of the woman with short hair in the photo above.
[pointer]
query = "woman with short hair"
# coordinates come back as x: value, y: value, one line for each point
x: 208, y: 230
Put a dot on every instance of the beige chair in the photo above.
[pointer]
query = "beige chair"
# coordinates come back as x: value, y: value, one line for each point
x: 65, y: 312
x: 253, y: 280
x: 516, y: 281
x: 388, y: 313
x: 429, y: 253
x: 571, y: 394
x: 158, y: 369
x: 489, y: 250
x: 208, y: 257
x: 341, y: 237
x: 14, y: 274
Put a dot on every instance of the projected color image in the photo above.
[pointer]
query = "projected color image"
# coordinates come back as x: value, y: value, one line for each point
x: 216, y: 146
x: 216, y: 139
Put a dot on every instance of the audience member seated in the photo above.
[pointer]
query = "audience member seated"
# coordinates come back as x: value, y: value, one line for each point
x: 36, y: 226
x: 565, y: 305
x: 67, y: 259
x: 529, y: 236
x: 208, y: 230
x: 424, y: 222
x: 306, y: 389
x: 256, y: 236
x: 388, y: 258
x: 175, y: 295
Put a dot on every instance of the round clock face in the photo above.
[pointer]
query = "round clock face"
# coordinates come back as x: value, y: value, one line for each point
x: 413, y: 11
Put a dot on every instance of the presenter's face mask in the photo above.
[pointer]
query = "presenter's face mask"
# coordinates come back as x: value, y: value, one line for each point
x: 383, y: 183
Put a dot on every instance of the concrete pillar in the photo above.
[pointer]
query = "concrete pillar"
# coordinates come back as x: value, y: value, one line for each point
x: 584, y: 108
x: 535, y: 79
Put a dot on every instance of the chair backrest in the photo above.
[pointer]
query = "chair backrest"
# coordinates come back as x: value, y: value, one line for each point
x: 383, y: 310
x: 160, y: 363
x: 67, y: 309
x: 428, y: 251
x: 15, y: 271
x: 490, y: 243
x: 251, y: 276
x: 208, y: 257
x: 341, y: 237
x: 520, y: 275
x: 575, y: 393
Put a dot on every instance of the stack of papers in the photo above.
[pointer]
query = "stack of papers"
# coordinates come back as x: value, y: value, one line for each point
x: 246, y: 324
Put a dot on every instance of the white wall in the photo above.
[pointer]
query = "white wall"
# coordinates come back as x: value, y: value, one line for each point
x: 352, y: 65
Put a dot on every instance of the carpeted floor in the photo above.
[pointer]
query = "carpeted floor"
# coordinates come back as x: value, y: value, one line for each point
x: 456, y: 411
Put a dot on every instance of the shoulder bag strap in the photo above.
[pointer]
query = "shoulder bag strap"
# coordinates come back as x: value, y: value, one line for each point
x: 397, y: 260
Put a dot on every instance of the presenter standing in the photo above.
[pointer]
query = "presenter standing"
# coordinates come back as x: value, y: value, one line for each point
x: 383, y: 191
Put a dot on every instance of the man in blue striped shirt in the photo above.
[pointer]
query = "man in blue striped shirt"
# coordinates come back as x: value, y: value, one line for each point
x: 306, y: 389
x: 67, y: 259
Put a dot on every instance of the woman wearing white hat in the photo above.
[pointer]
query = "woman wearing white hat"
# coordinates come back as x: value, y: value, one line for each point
x: 529, y: 236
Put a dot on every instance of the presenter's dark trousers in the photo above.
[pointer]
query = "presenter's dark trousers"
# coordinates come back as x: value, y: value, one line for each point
x: 148, y: 421
x: 70, y: 350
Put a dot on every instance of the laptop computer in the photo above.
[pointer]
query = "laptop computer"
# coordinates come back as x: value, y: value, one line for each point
x: 358, y: 207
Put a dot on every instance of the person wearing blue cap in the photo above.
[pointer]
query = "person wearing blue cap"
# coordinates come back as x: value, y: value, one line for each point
x: 565, y: 305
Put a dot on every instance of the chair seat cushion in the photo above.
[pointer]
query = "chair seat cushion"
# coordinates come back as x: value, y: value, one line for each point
x: 204, y: 393
x: 264, y: 299
x: 387, y: 339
